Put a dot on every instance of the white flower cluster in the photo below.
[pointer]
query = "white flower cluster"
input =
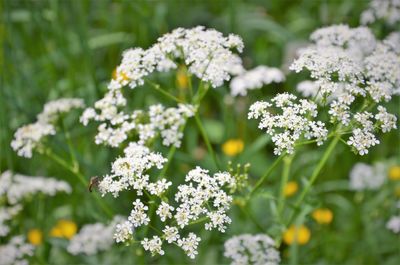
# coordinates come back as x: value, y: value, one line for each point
x: 15, y: 252
x: 6, y: 214
x: 16, y: 187
x: 394, y: 224
x: 206, y: 52
x: 117, y: 125
x: 386, y: 10
x: 293, y: 122
x: 349, y: 64
x: 129, y: 171
x: 255, y: 79
x: 252, y: 249
x: 202, y: 197
x: 367, y: 177
x: 28, y: 137
x: 93, y: 238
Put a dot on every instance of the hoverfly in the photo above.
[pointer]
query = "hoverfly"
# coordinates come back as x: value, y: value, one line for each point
x: 93, y: 183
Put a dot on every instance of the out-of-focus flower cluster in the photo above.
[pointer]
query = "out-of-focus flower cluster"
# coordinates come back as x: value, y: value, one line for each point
x: 93, y: 238
x: 29, y: 137
x: 295, y: 120
x: 367, y: 177
x: 200, y: 198
x: 15, y: 252
x: 353, y: 72
x: 386, y: 10
x: 14, y: 188
x: 252, y: 249
x: 255, y: 79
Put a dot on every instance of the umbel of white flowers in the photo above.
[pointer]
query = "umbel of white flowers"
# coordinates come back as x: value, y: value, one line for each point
x: 29, y: 137
x: 208, y: 56
x: 348, y: 66
x: 93, y: 238
x: 202, y: 196
x: 16, y: 251
x: 252, y: 249
x: 14, y: 188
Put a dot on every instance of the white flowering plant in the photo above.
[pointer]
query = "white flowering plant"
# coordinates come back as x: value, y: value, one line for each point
x: 204, y: 146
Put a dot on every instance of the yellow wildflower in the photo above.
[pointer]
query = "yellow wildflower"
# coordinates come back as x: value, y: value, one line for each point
x: 290, y: 188
x: 300, y: 235
x: 322, y: 216
x: 182, y: 80
x: 233, y: 147
x: 56, y: 232
x: 64, y: 228
x: 394, y: 173
x: 35, y: 237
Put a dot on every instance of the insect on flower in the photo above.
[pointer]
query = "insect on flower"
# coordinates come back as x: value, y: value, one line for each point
x: 93, y: 183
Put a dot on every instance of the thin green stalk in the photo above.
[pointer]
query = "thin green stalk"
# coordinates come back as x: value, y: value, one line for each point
x: 162, y: 91
x: 74, y: 160
x: 252, y: 218
x: 313, y: 177
x: 287, y: 163
x: 265, y: 176
x: 80, y: 177
x: 206, y: 140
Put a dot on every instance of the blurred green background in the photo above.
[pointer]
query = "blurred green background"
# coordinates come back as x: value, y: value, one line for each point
x: 69, y: 48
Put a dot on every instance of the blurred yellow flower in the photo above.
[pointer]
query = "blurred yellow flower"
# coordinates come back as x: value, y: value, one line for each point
x: 290, y: 188
x: 182, y: 80
x: 35, y: 237
x: 397, y: 192
x: 64, y: 228
x: 322, y: 216
x: 233, y: 147
x: 123, y: 76
x: 300, y: 235
x: 394, y: 173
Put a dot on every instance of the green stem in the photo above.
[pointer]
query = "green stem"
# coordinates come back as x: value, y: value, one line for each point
x: 287, y: 162
x: 252, y: 218
x: 313, y: 177
x: 206, y: 140
x: 80, y: 177
x: 265, y: 176
x: 162, y: 91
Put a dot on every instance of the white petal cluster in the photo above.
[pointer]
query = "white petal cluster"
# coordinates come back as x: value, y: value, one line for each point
x: 203, y: 194
x: 116, y: 125
x: 394, y: 224
x: 15, y: 252
x: 123, y: 232
x: 350, y: 66
x: 367, y: 177
x: 7, y: 213
x: 153, y: 245
x: 255, y: 79
x: 206, y: 52
x: 29, y: 137
x: 129, y: 171
x: 201, y: 197
x: 16, y: 187
x: 189, y: 244
x: 293, y: 121
x: 53, y: 109
x: 252, y: 249
x: 385, y: 10
x: 93, y: 238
